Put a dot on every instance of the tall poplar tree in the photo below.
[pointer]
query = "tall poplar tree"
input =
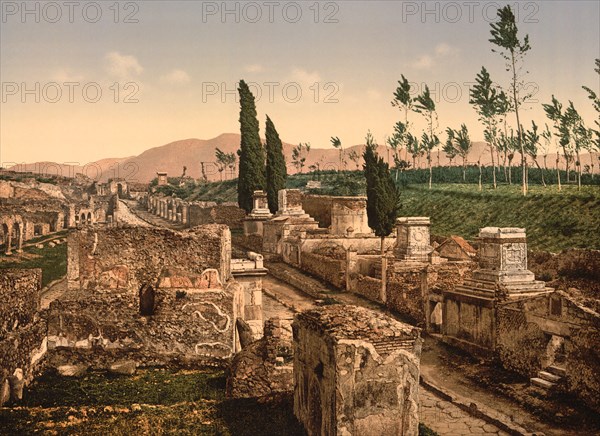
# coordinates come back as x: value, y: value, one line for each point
x: 513, y: 50
x: 252, y: 156
x: 276, y: 169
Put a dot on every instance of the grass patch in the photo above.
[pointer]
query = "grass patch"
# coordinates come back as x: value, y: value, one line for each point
x: 151, y: 402
x: 52, y: 261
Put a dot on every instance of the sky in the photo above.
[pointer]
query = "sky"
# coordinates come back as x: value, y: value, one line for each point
x: 86, y: 80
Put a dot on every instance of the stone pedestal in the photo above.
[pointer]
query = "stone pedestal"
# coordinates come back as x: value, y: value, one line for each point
x: 413, y: 239
x: 503, y: 265
x: 253, y: 223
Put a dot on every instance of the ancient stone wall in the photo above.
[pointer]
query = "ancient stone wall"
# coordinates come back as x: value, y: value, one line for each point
x: 230, y: 215
x: 187, y: 326
x: 356, y: 372
x: 369, y: 288
x: 22, y: 331
x: 526, y: 329
x: 264, y: 367
x: 331, y: 270
x: 20, y: 297
x: 128, y: 257
x: 318, y: 207
x: 404, y: 296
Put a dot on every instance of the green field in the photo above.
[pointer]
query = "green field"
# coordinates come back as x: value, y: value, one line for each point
x: 554, y: 220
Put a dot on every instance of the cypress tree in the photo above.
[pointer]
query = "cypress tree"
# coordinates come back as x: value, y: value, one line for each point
x: 383, y: 202
x: 276, y: 169
x: 252, y: 157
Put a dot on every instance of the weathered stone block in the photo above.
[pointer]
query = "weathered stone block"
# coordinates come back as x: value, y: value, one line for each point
x: 356, y: 372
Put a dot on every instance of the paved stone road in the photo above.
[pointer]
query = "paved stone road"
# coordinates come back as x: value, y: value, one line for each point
x: 125, y: 215
x: 446, y: 419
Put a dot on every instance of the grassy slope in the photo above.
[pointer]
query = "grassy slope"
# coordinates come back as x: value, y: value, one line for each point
x: 554, y: 220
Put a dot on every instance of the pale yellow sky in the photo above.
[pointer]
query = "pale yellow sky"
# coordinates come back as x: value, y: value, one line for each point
x: 319, y: 71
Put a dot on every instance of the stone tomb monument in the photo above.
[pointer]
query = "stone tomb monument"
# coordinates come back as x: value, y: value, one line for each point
x: 469, y: 311
x: 503, y: 265
x: 356, y: 372
x: 413, y: 239
x: 253, y: 223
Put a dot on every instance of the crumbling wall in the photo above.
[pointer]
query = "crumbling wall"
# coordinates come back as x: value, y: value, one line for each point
x: 189, y: 326
x: 228, y: 214
x: 264, y: 367
x: 22, y: 331
x: 583, y: 364
x: 369, y: 288
x: 356, y: 372
x: 128, y: 257
x: 331, y: 270
x: 20, y: 297
x: 525, y: 329
x: 404, y: 295
x: 521, y: 344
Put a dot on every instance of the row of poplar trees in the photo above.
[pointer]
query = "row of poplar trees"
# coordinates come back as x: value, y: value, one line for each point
x: 262, y: 166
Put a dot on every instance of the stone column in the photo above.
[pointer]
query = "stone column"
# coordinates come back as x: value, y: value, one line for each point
x: 9, y: 241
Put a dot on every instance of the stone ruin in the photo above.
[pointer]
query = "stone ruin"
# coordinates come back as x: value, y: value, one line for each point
x: 469, y: 317
x: 289, y: 221
x: 264, y: 367
x: 253, y: 223
x: 413, y: 239
x: 356, y: 372
x: 249, y: 273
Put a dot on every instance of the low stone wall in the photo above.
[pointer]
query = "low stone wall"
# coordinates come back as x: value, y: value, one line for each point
x: 330, y: 270
x: 230, y: 215
x: 405, y: 297
x: 369, y: 288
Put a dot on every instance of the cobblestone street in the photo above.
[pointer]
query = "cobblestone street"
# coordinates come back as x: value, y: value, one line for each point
x: 446, y: 419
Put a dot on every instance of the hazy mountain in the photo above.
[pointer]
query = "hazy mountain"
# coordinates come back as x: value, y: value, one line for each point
x: 172, y: 157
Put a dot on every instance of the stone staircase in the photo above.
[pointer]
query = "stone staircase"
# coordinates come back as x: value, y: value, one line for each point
x: 549, y: 378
